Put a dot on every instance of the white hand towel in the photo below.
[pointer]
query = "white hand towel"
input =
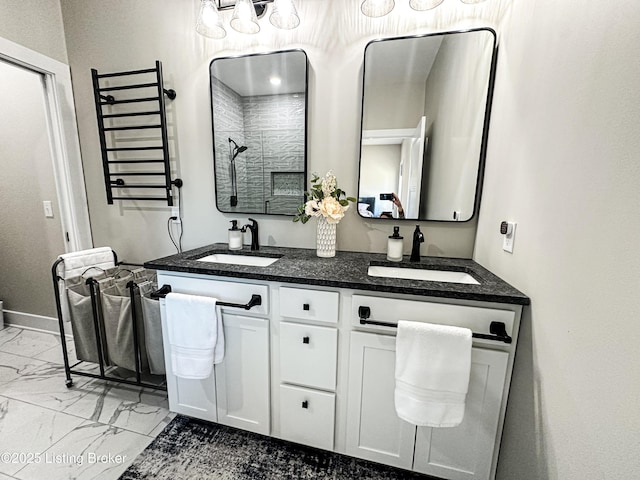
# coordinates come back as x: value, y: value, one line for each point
x: 196, y: 337
x: 433, y: 364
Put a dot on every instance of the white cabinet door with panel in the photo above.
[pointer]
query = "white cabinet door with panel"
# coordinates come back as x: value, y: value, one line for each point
x: 466, y: 451
x: 374, y: 431
x: 242, y: 378
x: 195, y: 398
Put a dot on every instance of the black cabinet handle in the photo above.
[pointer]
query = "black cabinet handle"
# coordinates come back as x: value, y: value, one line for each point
x: 305, y: 307
x: 305, y: 404
x: 305, y: 340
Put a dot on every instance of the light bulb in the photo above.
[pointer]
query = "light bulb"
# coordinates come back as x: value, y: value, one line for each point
x: 208, y: 23
x: 244, y: 18
x: 377, y: 8
x: 284, y: 15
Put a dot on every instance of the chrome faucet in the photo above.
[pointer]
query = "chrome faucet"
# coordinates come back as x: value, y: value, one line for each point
x: 418, y: 238
x: 253, y: 227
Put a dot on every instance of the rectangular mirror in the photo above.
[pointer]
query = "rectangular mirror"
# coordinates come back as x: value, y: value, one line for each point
x: 259, y: 111
x: 425, y: 116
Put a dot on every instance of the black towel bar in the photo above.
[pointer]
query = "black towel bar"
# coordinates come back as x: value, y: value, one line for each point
x: 497, y: 329
x: 255, y: 299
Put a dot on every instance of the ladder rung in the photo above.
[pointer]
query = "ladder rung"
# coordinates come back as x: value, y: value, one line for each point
x: 132, y: 114
x: 132, y: 174
x: 132, y: 72
x: 128, y: 87
x: 131, y: 149
x: 132, y: 127
x: 136, y: 161
x: 164, y: 199
x: 139, y: 186
x: 131, y: 100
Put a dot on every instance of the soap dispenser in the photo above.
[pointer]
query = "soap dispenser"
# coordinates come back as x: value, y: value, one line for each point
x: 395, y: 246
x: 235, y: 236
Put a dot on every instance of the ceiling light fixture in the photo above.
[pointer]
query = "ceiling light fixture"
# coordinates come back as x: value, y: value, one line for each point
x: 380, y: 8
x: 245, y: 16
x: 422, y: 5
x: 377, y: 8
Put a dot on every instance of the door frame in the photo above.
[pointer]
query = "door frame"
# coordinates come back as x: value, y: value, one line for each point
x: 64, y: 140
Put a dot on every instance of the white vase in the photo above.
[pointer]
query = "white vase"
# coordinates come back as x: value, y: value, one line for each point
x: 325, y: 238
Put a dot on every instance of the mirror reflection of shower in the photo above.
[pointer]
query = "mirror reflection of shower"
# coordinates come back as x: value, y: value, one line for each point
x: 234, y: 151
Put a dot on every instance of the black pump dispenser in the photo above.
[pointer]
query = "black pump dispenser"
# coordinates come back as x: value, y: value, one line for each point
x: 234, y: 225
x: 396, y: 233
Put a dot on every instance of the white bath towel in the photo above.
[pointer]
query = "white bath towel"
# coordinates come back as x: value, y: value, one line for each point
x: 196, y: 337
x: 433, y: 364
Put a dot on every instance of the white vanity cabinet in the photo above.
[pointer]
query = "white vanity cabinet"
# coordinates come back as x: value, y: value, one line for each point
x: 302, y: 367
x: 237, y: 392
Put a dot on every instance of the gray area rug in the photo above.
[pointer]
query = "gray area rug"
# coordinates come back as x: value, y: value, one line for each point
x: 192, y: 449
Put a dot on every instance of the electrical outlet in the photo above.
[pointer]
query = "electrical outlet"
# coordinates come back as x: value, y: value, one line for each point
x: 175, y: 212
x: 509, y: 237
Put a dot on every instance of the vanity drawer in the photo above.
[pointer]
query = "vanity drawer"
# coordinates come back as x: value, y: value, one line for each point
x: 308, y: 355
x: 316, y: 305
x: 307, y: 416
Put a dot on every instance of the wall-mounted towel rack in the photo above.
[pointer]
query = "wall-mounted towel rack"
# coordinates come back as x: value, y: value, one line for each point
x: 497, y: 329
x: 255, y: 299
x: 114, y: 164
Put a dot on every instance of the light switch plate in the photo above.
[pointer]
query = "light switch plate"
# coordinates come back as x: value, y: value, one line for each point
x: 48, y: 209
x: 507, y: 242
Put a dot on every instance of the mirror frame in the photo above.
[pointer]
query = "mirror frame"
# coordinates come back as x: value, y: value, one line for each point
x: 306, y: 126
x: 485, y: 124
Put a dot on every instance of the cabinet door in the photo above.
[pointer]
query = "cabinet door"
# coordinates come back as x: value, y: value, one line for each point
x: 196, y: 398
x: 374, y: 430
x: 466, y: 451
x: 242, y: 378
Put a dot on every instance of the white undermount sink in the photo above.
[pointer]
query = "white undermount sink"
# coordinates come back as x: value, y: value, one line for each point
x: 422, y: 274
x: 248, y: 260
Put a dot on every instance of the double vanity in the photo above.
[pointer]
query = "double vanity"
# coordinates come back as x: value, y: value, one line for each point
x: 310, y: 350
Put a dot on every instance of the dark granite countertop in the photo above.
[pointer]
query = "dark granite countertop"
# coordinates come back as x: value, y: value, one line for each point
x: 347, y: 270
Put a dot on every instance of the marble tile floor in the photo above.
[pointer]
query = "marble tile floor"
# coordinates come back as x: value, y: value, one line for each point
x: 92, y: 430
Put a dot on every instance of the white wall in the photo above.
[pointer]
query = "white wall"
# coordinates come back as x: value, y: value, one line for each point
x: 563, y: 162
x: 126, y: 34
x: 35, y: 24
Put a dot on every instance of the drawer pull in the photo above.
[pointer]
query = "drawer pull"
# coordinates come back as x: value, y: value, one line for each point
x: 306, y: 307
x: 305, y: 404
x: 305, y: 340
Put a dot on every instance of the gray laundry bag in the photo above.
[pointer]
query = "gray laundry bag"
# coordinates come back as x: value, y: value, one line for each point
x: 82, y: 319
x: 152, y: 328
x: 118, y: 307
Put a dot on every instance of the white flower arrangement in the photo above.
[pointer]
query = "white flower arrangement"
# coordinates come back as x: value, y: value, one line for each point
x: 324, y: 199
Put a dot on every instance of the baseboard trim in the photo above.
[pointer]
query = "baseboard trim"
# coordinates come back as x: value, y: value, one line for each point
x: 32, y: 321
